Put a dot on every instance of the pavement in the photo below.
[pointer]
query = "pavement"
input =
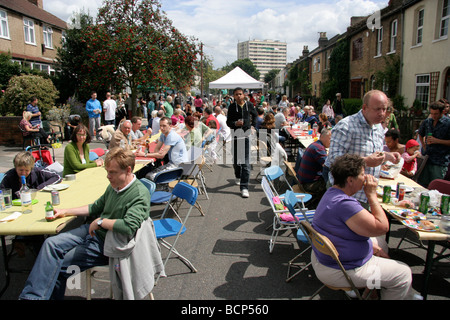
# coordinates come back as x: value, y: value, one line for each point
x: 229, y: 247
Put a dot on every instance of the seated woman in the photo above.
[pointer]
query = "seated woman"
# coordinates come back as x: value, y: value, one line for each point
x: 37, y: 178
x: 324, y: 122
x: 76, y: 153
x: 35, y: 131
x: 352, y: 229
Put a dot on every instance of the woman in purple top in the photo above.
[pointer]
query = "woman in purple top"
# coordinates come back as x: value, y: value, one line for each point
x: 353, y: 231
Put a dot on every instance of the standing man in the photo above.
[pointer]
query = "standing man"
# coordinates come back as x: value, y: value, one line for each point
x: 338, y: 105
x: 434, y: 133
x: 36, y: 114
x: 224, y: 130
x: 122, y: 209
x: 241, y: 118
x: 94, y: 110
x: 109, y: 108
x: 363, y: 134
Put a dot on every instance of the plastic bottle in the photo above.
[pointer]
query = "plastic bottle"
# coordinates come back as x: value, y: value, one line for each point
x: 2, y: 202
x: 315, y: 128
x: 25, y: 197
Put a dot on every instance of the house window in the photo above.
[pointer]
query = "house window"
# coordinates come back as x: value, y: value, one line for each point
x: 419, y: 29
x: 357, y: 51
x: 4, y: 31
x: 48, y: 32
x: 379, y: 41
x: 28, y: 27
x: 423, y: 89
x: 393, y: 36
x: 445, y: 17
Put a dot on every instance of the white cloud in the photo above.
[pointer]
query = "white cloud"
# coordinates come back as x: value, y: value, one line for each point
x: 219, y: 24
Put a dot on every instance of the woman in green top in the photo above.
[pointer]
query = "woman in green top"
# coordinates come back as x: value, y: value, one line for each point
x: 76, y: 153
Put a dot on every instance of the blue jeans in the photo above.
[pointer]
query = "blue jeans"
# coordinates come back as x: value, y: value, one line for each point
x: 47, y: 279
x: 241, y: 160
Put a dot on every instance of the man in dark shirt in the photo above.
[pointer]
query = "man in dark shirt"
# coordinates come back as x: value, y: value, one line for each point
x: 338, y: 105
x: 434, y: 133
x: 241, y: 118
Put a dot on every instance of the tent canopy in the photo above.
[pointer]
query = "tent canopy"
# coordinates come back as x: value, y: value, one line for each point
x: 236, y: 78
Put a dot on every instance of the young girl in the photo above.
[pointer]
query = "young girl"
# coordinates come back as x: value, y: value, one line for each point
x: 409, y: 156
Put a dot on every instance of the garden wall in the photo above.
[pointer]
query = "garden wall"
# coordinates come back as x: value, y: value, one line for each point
x: 10, y: 133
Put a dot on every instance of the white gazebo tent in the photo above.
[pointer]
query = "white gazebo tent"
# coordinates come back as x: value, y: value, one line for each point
x: 236, y: 78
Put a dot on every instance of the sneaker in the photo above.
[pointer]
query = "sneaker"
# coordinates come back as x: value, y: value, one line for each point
x: 238, y: 181
x: 244, y: 193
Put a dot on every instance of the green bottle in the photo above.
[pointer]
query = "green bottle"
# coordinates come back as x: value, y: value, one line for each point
x: 49, y: 213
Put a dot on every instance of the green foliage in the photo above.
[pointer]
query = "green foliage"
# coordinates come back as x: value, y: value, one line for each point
x: 20, y: 90
x: 298, y: 77
x: 271, y: 75
x: 352, y: 106
x: 8, y: 69
x: 389, y: 78
x: 246, y: 65
x: 339, y: 73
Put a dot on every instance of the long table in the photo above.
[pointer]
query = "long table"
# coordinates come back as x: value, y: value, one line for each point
x: 88, y: 186
x: 301, y: 135
x: 431, y: 237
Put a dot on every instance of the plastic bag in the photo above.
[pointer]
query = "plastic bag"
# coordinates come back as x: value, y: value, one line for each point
x: 390, y: 170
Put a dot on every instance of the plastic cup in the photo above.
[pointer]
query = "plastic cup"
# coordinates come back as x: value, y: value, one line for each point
x: 7, y: 197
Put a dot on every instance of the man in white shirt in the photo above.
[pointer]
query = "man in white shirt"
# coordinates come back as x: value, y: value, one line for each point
x: 155, y: 123
x: 109, y: 108
x: 137, y: 136
x: 224, y: 131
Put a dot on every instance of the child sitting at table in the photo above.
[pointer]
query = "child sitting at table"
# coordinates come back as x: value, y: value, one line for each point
x: 410, y: 157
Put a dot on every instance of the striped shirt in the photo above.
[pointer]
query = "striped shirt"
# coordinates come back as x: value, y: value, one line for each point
x: 354, y: 135
x: 35, y: 120
x: 312, y: 163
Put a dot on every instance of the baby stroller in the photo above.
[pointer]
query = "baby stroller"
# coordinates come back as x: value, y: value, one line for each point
x: 42, y: 155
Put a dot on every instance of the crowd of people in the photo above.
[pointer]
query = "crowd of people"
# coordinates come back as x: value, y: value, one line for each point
x: 340, y: 169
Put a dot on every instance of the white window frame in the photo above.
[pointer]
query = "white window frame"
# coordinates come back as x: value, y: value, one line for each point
x: 28, y: 28
x: 48, y: 36
x: 445, y: 19
x: 422, y: 85
x: 4, y: 27
x: 419, y: 26
x: 379, y: 50
x: 393, y: 40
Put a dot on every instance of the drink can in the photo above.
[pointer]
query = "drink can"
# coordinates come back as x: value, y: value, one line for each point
x: 444, y: 204
x: 424, y: 200
x: 401, y: 192
x: 387, y: 194
x: 397, y: 191
x: 55, y: 197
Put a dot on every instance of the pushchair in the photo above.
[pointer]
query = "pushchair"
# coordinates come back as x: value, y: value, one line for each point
x: 42, y: 155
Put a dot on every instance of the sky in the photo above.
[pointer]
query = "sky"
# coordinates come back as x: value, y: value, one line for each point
x: 221, y: 24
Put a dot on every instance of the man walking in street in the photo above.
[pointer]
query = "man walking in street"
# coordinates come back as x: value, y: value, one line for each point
x: 241, y: 118
x: 109, y: 108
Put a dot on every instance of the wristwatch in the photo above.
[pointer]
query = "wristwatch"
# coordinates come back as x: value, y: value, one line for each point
x: 99, y: 222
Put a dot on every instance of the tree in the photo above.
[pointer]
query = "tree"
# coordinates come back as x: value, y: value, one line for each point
x: 339, y: 73
x: 246, y: 65
x: 20, y: 90
x: 269, y: 76
x: 8, y: 69
x: 133, y: 44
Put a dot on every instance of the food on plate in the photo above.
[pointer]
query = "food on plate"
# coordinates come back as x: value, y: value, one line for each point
x: 427, y: 225
x: 406, y: 204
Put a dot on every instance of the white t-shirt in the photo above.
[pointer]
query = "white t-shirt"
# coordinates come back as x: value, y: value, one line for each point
x: 110, y: 107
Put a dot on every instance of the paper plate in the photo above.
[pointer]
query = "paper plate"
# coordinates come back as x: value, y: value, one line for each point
x: 17, y: 202
x: 408, y: 214
x: 57, y: 187
x: 413, y: 224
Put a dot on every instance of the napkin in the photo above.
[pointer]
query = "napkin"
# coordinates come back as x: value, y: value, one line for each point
x: 11, y: 217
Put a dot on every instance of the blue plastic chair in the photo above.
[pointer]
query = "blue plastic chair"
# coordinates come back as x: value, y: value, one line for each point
x: 151, y: 186
x: 273, y: 173
x: 164, y: 177
x: 168, y: 227
x: 290, y: 202
x: 2, y: 175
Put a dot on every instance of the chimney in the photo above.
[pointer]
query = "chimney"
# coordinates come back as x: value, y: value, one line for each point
x: 305, y: 51
x: 38, y: 3
x: 323, y: 40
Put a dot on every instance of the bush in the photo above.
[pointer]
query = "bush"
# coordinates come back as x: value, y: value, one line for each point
x: 352, y: 106
x: 20, y: 90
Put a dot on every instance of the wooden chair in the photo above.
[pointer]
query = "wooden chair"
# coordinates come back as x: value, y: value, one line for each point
x: 325, y: 246
x: 26, y: 138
